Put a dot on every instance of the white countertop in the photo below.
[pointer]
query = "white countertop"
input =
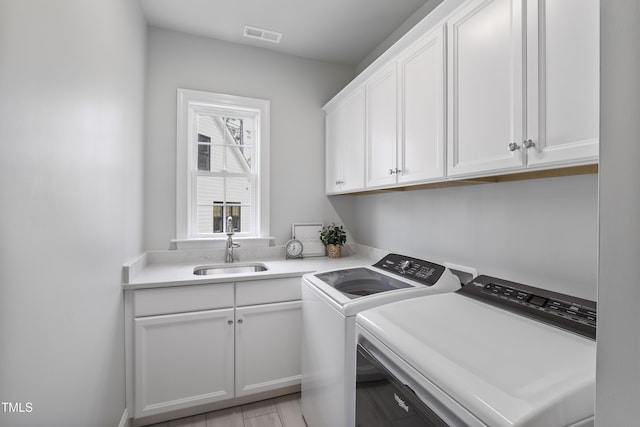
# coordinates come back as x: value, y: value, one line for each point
x: 175, y: 268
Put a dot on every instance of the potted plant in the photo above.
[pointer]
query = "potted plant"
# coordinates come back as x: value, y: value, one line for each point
x: 333, y: 237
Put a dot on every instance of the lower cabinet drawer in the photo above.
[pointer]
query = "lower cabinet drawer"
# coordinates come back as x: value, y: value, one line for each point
x: 181, y: 299
x: 256, y: 292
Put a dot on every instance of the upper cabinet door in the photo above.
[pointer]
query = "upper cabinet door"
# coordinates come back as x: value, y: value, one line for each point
x: 334, y: 167
x: 421, y: 109
x: 485, y: 87
x: 354, y: 127
x: 381, y: 128
x: 345, y: 144
x: 563, y: 80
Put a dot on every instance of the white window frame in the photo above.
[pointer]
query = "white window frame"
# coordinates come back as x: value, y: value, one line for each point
x: 190, y: 101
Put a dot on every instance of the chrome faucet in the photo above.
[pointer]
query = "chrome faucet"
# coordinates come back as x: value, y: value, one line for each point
x: 230, y: 243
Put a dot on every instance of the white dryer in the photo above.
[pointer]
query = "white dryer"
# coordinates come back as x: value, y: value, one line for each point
x: 496, y: 353
x: 331, y: 300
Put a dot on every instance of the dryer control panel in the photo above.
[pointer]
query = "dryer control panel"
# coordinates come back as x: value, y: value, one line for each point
x: 419, y: 270
x: 567, y: 312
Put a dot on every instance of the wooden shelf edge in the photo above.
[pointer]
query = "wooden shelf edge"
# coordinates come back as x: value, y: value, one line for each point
x: 519, y: 176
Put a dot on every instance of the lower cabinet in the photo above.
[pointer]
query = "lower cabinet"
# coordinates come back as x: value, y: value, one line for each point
x: 196, y: 345
x: 268, y: 347
x: 183, y: 360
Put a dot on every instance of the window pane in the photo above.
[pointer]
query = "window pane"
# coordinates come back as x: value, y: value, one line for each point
x: 223, y: 162
x: 205, y: 220
x: 239, y: 159
x: 211, y: 129
x: 209, y: 190
x: 217, y: 158
x: 211, y: 220
x: 204, y: 157
x: 241, y: 218
x: 238, y: 191
x: 203, y: 138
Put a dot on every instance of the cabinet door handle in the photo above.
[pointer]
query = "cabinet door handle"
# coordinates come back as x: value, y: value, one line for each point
x: 513, y: 146
x: 528, y: 144
x: 229, y: 322
x: 393, y: 171
x: 240, y: 321
x: 339, y: 182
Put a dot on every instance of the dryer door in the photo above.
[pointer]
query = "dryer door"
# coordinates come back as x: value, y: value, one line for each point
x: 383, y: 400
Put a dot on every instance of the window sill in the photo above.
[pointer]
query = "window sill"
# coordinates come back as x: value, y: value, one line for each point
x: 220, y: 243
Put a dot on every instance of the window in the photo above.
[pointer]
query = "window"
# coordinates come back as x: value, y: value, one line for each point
x: 222, y: 165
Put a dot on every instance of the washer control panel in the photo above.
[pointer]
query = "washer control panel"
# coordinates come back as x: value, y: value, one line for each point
x: 575, y: 314
x: 424, y: 272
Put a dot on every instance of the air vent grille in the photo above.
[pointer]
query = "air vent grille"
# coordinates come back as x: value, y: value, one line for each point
x: 262, y: 34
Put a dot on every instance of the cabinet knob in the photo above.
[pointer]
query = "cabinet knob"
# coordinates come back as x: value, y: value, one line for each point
x: 513, y: 146
x: 391, y: 172
x: 229, y: 322
x: 240, y: 321
x: 529, y: 143
x: 338, y: 182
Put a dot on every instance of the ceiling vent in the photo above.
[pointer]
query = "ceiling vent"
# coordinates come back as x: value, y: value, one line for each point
x: 262, y: 34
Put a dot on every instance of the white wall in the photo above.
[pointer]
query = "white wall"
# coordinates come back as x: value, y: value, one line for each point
x: 539, y: 232
x: 297, y: 89
x: 618, y: 374
x: 71, y: 140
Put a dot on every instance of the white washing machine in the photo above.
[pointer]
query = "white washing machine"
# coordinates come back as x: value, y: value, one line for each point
x: 496, y: 353
x: 331, y: 301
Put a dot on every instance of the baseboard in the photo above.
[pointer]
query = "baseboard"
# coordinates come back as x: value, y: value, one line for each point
x: 124, y: 421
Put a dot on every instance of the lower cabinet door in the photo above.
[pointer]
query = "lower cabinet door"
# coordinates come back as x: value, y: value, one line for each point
x: 268, y: 345
x: 183, y: 360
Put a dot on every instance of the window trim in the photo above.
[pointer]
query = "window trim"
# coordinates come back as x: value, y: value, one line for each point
x: 187, y: 99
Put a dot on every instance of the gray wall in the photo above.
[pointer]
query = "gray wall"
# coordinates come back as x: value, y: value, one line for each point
x: 618, y: 374
x: 71, y: 140
x: 398, y: 33
x: 297, y: 89
x: 541, y: 232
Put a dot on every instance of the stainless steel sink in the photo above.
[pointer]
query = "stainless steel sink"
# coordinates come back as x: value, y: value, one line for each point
x: 207, y: 270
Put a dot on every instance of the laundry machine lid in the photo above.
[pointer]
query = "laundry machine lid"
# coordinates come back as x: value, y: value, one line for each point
x: 393, y: 278
x: 357, y: 282
x: 506, y: 369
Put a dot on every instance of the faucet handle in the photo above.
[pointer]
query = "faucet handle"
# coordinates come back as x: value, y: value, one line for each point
x: 230, y: 224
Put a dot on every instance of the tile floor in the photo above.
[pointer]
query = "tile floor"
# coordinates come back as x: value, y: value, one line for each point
x: 282, y: 411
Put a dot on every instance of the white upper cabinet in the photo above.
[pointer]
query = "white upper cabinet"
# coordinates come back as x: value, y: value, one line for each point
x: 421, y: 115
x: 478, y: 88
x: 345, y: 149
x: 522, y: 95
x: 563, y: 80
x: 334, y: 158
x: 485, y: 87
x: 354, y: 141
x: 381, y: 163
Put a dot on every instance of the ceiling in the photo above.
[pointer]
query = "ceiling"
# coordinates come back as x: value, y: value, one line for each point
x: 341, y: 31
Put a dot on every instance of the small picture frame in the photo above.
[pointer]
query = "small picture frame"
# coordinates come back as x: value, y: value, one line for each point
x: 309, y: 235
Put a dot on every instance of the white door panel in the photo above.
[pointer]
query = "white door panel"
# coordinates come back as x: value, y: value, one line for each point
x: 382, y: 132
x: 268, y: 347
x: 563, y: 70
x: 422, y: 101
x: 183, y: 360
x: 485, y: 82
